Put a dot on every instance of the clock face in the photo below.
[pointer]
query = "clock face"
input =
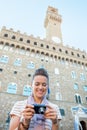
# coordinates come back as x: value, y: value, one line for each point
x: 56, y: 39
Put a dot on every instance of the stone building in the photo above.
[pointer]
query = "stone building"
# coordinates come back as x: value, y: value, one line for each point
x: 21, y: 54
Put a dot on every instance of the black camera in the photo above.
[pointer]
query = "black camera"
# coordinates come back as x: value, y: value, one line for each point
x: 39, y: 108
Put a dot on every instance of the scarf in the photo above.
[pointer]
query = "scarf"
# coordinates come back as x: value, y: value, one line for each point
x: 38, y: 122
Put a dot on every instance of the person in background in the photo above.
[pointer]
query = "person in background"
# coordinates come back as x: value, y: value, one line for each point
x: 23, y: 116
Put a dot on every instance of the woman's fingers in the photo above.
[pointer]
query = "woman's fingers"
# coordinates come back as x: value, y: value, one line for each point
x: 28, y: 112
x: 50, y: 113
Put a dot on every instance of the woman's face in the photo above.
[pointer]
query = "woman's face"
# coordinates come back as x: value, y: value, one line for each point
x: 39, y: 86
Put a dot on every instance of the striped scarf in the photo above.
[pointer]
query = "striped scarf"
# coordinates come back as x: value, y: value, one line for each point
x: 38, y: 122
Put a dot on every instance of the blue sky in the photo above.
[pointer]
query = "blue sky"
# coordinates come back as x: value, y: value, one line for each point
x: 28, y: 16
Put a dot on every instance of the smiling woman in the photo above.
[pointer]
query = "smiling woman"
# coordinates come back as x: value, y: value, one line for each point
x: 28, y: 115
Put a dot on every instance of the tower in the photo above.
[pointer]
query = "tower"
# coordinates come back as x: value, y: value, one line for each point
x: 53, y: 25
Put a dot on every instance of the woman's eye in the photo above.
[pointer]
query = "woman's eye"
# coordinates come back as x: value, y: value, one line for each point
x: 44, y: 84
x: 37, y: 84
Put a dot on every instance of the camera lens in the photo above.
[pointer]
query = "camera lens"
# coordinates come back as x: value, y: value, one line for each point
x: 41, y: 110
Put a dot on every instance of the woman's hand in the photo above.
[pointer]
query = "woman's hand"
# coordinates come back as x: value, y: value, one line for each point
x: 26, y: 116
x: 28, y: 112
x: 51, y: 113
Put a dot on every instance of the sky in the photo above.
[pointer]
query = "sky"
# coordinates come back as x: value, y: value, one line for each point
x: 28, y: 16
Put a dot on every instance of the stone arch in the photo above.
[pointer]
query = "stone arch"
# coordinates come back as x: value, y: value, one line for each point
x: 47, y: 54
x: 17, y: 47
x: 1, y: 42
x: 12, y: 45
x: 27, y: 49
x: 83, y: 125
x: 55, y: 56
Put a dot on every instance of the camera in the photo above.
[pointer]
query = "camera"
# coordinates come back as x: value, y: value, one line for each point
x: 39, y: 108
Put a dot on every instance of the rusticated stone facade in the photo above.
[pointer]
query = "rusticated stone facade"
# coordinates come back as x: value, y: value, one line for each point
x: 21, y: 54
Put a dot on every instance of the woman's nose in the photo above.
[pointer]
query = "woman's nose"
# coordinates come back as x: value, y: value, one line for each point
x: 40, y: 86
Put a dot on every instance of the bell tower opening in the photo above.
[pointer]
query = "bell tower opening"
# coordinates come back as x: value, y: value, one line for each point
x: 53, y: 25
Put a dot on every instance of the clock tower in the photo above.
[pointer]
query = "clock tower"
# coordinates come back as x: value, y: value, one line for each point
x: 53, y: 25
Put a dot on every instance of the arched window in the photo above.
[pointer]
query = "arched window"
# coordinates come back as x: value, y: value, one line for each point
x: 31, y: 65
x: 4, y: 59
x: 73, y: 74
x: 82, y: 76
x: 78, y: 99
x: 18, y: 62
x: 12, y: 88
x: 85, y: 88
x: 75, y: 86
x: 27, y: 90
x: 58, y: 96
x: 56, y: 71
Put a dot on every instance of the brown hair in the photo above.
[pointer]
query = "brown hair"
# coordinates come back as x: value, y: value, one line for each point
x: 43, y: 72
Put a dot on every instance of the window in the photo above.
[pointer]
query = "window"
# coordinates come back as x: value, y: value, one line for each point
x: 4, y: 59
x: 73, y: 74
x: 35, y: 43
x: 18, y: 62
x: 21, y: 39
x: 86, y: 98
x: 83, y: 56
x: 15, y: 72
x: 62, y: 112
x: 66, y: 51
x: 1, y: 69
x: 82, y: 76
x: 54, y: 48
x: 42, y: 45
x: 27, y: 90
x: 6, y: 35
x: 42, y: 66
x: 78, y: 98
x: 29, y: 75
x: 56, y: 71
x: 85, y: 88
x: 72, y: 53
x: 60, y: 49
x: 31, y: 65
x: 58, y: 96
x: 13, y: 37
x: 28, y: 41
x: 75, y: 86
x: 47, y: 46
x: 12, y: 88
x: 78, y: 55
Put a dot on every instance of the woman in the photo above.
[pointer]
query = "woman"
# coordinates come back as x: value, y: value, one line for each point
x: 23, y: 116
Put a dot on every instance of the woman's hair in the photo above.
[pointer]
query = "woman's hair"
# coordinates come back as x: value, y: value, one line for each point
x: 42, y: 72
